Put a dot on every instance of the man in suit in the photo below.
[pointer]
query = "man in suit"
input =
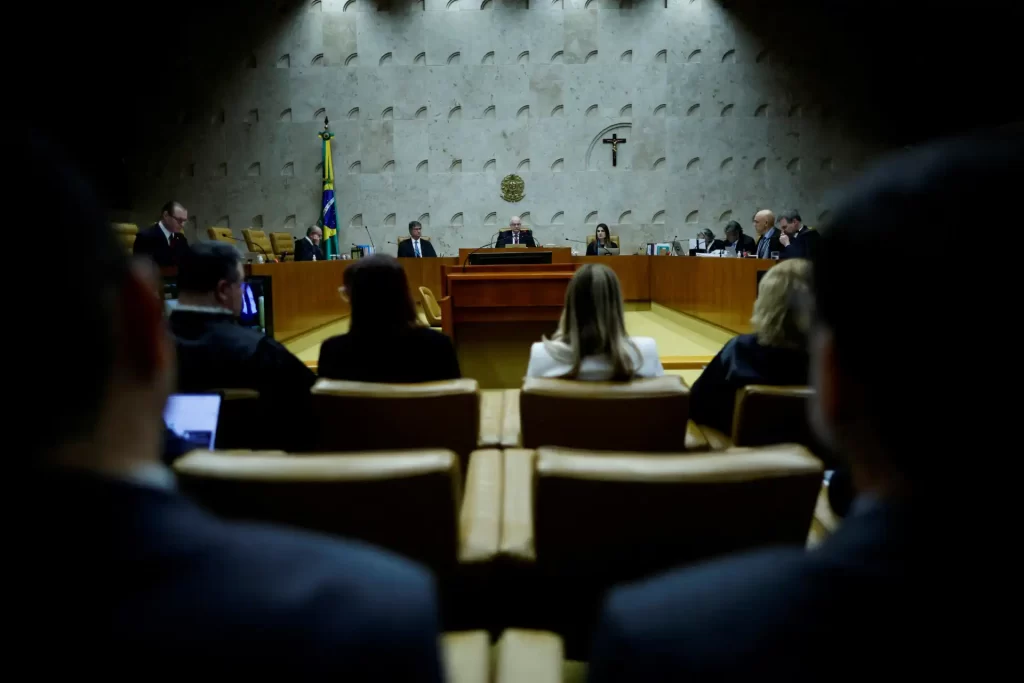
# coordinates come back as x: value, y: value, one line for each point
x: 886, y: 590
x: 308, y: 248
x: 515, y: 235
x: 164, y: 241
x: 767, y: 234
x: 114, y: 563
x: 416, y: 246
x: 735, y: 239
x: 797, y: 240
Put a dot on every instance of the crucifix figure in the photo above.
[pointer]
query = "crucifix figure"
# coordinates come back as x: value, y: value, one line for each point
x: 614, y: 141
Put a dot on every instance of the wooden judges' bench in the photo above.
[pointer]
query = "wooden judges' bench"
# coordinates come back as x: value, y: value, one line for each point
x: 718, y: 290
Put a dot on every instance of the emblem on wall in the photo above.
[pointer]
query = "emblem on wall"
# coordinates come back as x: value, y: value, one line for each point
x: 513, y: 189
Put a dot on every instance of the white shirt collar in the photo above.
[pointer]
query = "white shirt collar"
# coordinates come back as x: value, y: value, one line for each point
x: 211, y: 310
x: 307, y: 239
x: 165, y: 231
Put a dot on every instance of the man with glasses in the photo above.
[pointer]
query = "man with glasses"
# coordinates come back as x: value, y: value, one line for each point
x: 164, y: 241
x: 516, y: 234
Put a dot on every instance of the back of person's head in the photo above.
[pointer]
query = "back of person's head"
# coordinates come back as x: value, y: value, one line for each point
x: 99, y: 332
x: 593, y: 323
x: 379, y: 294
x: 780, y: 317
x: 887, y: 317
x: 206, y: 265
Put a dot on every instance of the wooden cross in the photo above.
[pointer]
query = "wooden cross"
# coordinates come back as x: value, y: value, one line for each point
x: 614, y: 141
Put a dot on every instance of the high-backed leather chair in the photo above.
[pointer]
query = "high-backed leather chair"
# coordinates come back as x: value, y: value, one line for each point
x: 220, y: 234
x: 126, y: 233
x: 258, y: 243
x: 430, y: 307
x: 407, y: 502
x: 519, y: 656
x: 283, y: 245
x: 642, y: 415
x: 501, y: 233
x: 241, y: 420
x: 399, y: 241
x: 362, y: 416
x: 613, y: 238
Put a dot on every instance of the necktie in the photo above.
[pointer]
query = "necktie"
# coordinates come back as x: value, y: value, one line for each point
x: 416, y: 245
x: 515, y: 238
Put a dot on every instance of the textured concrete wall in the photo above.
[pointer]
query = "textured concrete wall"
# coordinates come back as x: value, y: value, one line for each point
x: 434, y: 104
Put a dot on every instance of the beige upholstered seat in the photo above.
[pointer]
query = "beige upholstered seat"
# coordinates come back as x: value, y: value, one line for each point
x: 430, y: 307
x: 258, y: 242
x: 126, y: 233
x: 520, y: 656
x: 220, y: 234
x: 768, y: 415
x: 649, y: 415
x: 240, y: 423
x: 283, y: 245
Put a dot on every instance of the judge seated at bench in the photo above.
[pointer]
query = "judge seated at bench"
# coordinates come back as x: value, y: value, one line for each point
x: 711, y: 243
x: 308, y: 248
x: 416, y: 246
x: 736, y: 240
x: 515, y: 235
x: 591, y: 341
x: 602, y: 243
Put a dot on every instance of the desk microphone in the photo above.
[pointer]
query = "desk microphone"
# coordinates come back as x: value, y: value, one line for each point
x: 371, y: 238
x: 266, y: 256
x: 576, y: 241
x: 489, y: 243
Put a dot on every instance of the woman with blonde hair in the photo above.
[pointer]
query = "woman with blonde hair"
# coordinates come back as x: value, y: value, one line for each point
x: 591, y: 341
x: 775, y: 354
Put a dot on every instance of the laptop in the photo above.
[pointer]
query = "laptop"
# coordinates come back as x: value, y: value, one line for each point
x: 193, y: 418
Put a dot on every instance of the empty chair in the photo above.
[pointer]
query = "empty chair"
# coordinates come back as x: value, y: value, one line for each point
x: 219, y: 234
x: 360, y: 416
x: 126, y: 233
x: 283, y: 245
x: 642, y: 415
x: 430, y: 307
x: 258, y: 243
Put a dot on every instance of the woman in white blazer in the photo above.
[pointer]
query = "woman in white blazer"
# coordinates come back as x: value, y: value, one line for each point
x: 591, y: 341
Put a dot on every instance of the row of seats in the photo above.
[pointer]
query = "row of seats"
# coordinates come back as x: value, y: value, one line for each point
x: 279, y: 245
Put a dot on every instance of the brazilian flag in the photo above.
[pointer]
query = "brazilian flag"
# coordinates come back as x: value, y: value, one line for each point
x: 328, y: 213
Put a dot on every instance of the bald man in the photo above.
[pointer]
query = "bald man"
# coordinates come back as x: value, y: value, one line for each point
x: 767, y: 234
x: 515, y: 234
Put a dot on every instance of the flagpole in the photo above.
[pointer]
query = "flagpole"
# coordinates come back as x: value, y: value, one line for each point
x: 328, y: 211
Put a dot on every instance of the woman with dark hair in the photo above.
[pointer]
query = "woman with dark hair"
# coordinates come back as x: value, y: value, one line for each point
x: 735, y: 239
x: 602, y: 244
x: 386, y: 341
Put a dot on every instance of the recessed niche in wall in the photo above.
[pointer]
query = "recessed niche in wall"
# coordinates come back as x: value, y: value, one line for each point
x: 760, y: 163
x: 558, y: 111
x: 626, y: 57
x: 659, y: 218
x: 523, y: 58
x: 284, y: 61
x: 726, y: 216
x: 424, y: 220
x: 626, y: 218
x: 349, y: 6
x: 796, y: 111
x: 593, y: 110
x: 420, y: 59
x: 659, y: 164
x: 558, y: 57
x: 253, y: 170
x: 455, y: 114
x: 558, y: 218
x: 385, y: 59
x: 727, y: 110
x: 729, y: 57
x: 315, y: 4
x: 525, y: 217
x: 388, y: 167
x: 319, y: 169
x: 456, y: 166
x: 693, y: 110
x: 290, y: 222
x: 421, y: 167
x: 250, y: 61
x: 352, y: 59
x: 353, y: 113
x: 523, y: 113
x: 589, y: 3
x: 285, y: 116
x: 827, y: 165
x: 762, y: 110
x: 388, y: 113
x: 490, y: 165
x: 256, y: 222
x: 592, y: 57
x: 693, y: 217
x: 355, y: 167
x: 557, y: 165
x: 223, y: 221
x: 694, y: 56
x: 389, y: 220
x: 693, y: 165
x: 217, y: 116
x: 763, y: 57
x: 456, y: 221
x: 726, y: 164
x: 626, y: 111
x: 491, y: 218
x: 524, y: 165
x: 660, y: 110
x: 794, y: 165
x: 452, y: 5
x: 824, y: 216
x: 188, y: 171
x: 318, y: 60
x: 455, y: 58
x: 288, y: 170
x: 220, y: 170
x: 486, y: 4
x: 320, y: 114
x: 591, y: 217
x: 421, y: 113
x: 253, y: 116
x: 490, y: 112
x: 488, y: 58
x: 356, y: 221
x: 558, y: 3
x: 661, y: 57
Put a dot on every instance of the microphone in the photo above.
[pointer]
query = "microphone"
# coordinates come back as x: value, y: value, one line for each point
x: 576, y: 241
x: 266, y: 256
x: 371, y: 238
x: 489, y: 243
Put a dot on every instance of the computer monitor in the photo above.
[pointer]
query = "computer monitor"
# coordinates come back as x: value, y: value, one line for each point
x: 513, y: 257
x: 193, y: 418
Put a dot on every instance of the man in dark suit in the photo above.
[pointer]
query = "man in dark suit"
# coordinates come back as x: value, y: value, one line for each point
x: 885, y: 592
x: 164, y: 241
x: 215, y: 352
x: 797, y: 240
x: 515, y: 235
x: 115, y: 564
x: 416, y: 246
x: 308, y: 248
x: 735, y: 239
x: 767, y: 234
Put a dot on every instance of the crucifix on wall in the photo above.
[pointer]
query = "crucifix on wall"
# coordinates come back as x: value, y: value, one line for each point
x: 614, y: 141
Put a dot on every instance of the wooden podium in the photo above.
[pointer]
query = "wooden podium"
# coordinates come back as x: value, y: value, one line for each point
x: 558, y: 254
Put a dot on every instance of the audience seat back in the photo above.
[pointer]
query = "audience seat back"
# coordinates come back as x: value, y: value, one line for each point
x: 768, y: 415
x: 404, y: 501
x: 430, y: 307
x: 363, y: 416
x: 282, y: 242
x: 258, y: 242
x: 126, y: 233
x: 622, y: 515
x: 218, y: 234
x: 642, y: 415
x: 240, y: 422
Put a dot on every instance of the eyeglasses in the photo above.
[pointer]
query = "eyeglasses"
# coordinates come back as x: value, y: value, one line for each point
x: 180, y: 220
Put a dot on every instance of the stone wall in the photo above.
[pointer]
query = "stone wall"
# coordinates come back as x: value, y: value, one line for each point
x: 433, y: 104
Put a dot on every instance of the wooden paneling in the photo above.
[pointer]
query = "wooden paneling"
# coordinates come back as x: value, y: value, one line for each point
x: 305, y: 294
x: 633, y: 271
x: 425, y: 272
x: 558, y: 254
x: 718, y: 290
